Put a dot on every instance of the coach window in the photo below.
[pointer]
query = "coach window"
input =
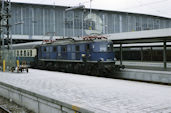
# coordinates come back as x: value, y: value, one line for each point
x: 17, y: 53
x: 24, y: 52
x: 21, y: 53
x: 30, y: 52
x: 77, y: 48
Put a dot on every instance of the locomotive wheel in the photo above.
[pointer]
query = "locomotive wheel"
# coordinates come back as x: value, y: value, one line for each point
x: 76, y: 68
x: 97, y: 72
x: 93, y: 72
x: 85, y: 70
x: 68, y: 68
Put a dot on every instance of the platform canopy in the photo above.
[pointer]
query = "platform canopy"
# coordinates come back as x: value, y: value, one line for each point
x: 148, y: 36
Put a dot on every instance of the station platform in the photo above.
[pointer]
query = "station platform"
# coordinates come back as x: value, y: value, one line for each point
x: 99, y: 95
x: 144, y: 65
x: 145, y: 71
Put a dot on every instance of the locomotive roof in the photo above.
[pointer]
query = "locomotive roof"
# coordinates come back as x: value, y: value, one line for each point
x: 72, y: 41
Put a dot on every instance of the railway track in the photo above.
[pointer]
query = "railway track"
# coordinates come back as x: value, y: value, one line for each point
x: 3, y: 110
x: 9, y: 106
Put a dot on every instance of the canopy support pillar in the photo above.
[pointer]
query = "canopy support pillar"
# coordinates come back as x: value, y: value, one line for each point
x: 164, y: 55
x: 121, y: 55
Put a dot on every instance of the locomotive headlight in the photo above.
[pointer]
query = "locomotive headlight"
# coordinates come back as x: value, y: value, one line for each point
x: 114, y: 59
x: 83, y: 55
x: 101, y: 59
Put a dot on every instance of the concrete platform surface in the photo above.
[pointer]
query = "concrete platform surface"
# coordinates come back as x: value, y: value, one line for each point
x: 101, y: 95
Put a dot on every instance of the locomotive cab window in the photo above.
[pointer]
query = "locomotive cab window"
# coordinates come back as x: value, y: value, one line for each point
x: 103, y: 48
x: 44, y: 49
x: 77, y: 48
x: 64, y: 49
x: 110, y: 47
x: 54, y: 49
x: 87, y: 47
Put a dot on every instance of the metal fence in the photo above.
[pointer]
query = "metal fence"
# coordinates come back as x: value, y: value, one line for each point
x: 7, y: 59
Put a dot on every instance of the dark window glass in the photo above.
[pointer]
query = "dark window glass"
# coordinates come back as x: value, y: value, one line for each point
x: 103, y: 47
x: 110, y: 47
x: 54, y: 49
x: 77, y: 48
x: 88, y: 47
x: 17, y: 53
x: 21, y: 53
x: 64, y: 49
x: 24, y: 52
x: 30, y: 52
x: 45, y: 49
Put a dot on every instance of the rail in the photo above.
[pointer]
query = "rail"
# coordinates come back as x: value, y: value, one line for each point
x: 4, y: 110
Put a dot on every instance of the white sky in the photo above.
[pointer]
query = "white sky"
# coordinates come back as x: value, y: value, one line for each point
x: 153, y: 7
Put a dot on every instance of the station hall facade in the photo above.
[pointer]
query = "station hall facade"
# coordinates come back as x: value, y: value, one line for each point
x: 39, y: 20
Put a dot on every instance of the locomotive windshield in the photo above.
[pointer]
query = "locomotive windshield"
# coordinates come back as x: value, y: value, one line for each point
x: 105, y: 47
x: 110, y: 47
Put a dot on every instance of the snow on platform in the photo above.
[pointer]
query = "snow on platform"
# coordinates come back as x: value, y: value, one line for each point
x: 102, y: 95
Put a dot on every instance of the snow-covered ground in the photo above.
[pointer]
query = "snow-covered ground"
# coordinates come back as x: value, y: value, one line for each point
x: 102, y: 95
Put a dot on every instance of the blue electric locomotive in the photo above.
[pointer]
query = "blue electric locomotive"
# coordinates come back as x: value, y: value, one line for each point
x: 94, y: 57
